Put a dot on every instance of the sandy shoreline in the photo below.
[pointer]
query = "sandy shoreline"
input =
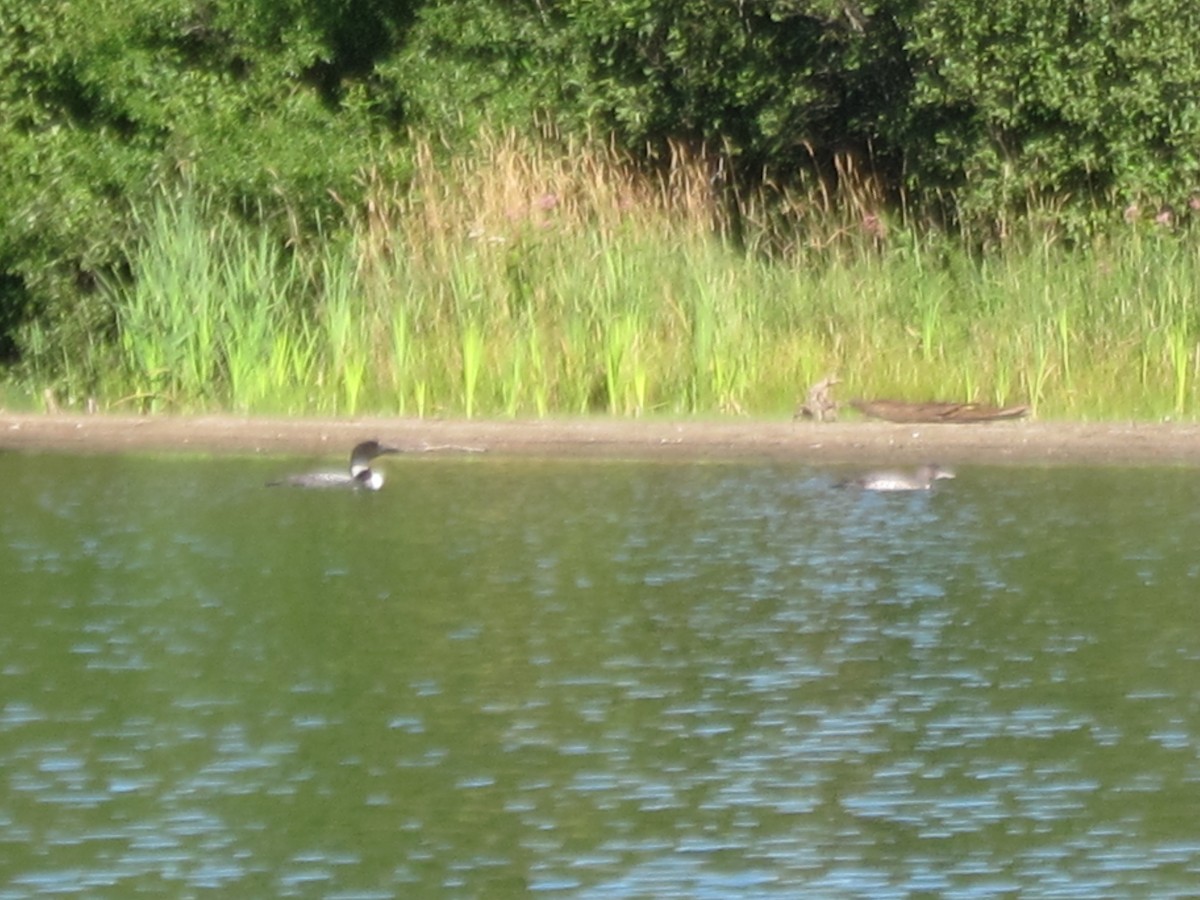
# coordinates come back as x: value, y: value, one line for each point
x: 998, y: 442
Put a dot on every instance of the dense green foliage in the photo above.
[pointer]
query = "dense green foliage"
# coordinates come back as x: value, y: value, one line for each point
x: 990, y: 120
x: 994, y: 107
x: 1022, y: 105
x: 104, y: 103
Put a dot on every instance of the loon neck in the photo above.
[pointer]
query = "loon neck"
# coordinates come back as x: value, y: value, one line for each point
x: 368, y: 478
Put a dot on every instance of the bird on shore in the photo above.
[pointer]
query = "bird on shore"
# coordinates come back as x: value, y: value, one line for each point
x: 921, y: 480
x: 361, y: 475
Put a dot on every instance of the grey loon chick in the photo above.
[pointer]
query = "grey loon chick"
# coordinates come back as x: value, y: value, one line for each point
x: 921, y: 480
x: 361, y: 474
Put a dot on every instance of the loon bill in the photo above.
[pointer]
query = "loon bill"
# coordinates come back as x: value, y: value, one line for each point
x: 361, y: 474
x: 921, y: 480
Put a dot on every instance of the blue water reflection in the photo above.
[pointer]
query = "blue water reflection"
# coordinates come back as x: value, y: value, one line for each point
x: 596, y: 679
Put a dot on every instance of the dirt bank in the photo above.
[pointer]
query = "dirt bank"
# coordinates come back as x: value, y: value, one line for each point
x: 999, y: 442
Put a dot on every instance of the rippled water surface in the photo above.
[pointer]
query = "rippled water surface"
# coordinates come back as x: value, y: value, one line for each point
x: 596, y: 679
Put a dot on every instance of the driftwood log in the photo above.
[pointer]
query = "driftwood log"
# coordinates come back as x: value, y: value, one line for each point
x: 936, y: 411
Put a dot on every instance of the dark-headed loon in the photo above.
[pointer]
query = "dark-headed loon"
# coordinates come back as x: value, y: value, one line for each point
x: 922, y: 480
x: 361, y: 474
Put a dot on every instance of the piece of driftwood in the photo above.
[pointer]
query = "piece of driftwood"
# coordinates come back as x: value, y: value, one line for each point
x: 936, y: 411
x: 819, y: 404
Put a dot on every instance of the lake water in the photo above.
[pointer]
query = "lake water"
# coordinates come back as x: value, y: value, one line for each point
x: 597, y: 679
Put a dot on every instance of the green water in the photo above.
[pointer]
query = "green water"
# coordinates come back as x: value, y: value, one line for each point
x: 596, y: 679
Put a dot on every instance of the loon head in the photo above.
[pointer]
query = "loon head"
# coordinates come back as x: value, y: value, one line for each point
x: 360, y: 464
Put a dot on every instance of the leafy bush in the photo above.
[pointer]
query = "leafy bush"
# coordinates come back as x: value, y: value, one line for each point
x: 1020, y: 106
x: 104, y: 107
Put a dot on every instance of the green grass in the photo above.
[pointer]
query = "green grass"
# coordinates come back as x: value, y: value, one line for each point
x: 525, y: 283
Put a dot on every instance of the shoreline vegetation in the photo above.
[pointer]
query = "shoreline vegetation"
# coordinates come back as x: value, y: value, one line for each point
x: 478, y: 208
x: 518, y: 281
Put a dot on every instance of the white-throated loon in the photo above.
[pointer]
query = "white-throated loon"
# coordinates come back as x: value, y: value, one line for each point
x: 922, y: 480
x: 361, y: 474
